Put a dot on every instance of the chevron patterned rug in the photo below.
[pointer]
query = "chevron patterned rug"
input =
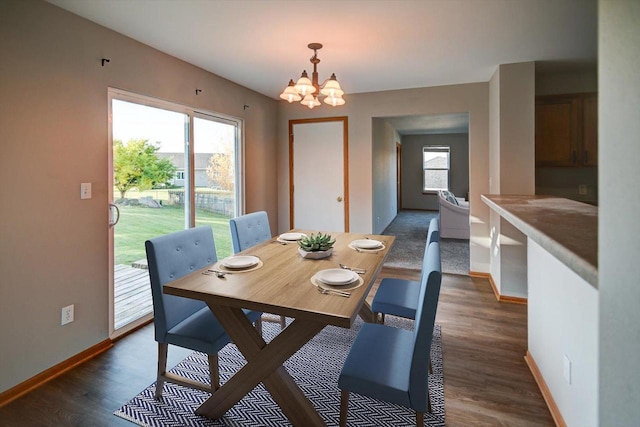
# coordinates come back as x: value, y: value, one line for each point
x: 315, y: 368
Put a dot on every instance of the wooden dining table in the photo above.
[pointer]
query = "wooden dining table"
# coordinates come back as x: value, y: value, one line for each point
x: 282, y: 286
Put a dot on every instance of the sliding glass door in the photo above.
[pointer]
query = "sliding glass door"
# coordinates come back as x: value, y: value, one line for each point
x: 172, y: 167
x: 216, y: 179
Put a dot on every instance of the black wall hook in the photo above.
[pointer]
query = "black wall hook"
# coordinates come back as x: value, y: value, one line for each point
x: 198, y: 91
x: 245, y: 106
x: 105, y: 60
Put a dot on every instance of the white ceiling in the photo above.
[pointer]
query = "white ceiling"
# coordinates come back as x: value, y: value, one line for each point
x: 370, y: 45
x: 432, y: 124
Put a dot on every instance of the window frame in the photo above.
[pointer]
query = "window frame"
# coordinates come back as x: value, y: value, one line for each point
x: 425, y: 170
x: 191, y: 114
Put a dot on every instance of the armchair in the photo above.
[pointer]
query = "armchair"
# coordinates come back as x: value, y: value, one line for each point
x: 454, y: 216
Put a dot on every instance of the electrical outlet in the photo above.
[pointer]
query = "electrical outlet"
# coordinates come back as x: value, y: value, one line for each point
x: 67, y: 315
x: 85, y: 190
x: 582, y: 189
x: 567, y: 369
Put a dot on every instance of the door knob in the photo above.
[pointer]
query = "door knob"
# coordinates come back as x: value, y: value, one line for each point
x: 339, y: 199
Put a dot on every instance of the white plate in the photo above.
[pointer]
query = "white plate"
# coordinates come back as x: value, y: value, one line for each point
x: 241, y: 261
x: 336, y: 276
x: 292, y: 237
x: 367, y: 244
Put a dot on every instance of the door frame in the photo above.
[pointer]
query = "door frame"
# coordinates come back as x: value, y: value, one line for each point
x: 192, y: 113
x: 345, y: 156
x: 398, y: 177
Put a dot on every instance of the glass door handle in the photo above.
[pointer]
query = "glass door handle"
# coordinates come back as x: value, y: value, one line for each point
x: 113, y: 207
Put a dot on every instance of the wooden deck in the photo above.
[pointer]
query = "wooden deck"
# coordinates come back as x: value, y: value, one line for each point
x: 132, y: 294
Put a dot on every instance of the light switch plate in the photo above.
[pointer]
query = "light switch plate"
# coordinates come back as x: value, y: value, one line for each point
x: 85, y: 190
x: 67, y: 315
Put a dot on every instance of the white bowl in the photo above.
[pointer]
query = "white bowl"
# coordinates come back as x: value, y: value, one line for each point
x: 240, y: 261
x: 291, y: 237
x: 337, y: 276
x: 367, y: 244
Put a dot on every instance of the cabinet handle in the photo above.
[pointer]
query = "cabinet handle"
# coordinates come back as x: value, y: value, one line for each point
x: 586, y: 157
x: 575, y: 157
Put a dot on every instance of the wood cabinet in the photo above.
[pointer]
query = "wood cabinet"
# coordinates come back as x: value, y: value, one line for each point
x: 567, y: 130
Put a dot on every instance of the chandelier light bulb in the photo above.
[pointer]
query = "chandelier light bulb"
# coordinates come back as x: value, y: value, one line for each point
x: 332, y: 87
x: 290, y: 94
x: 310, y: 101
x: 304, y: 85
x: 334, y: 101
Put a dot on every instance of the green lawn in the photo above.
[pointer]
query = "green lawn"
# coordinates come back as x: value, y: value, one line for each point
x: 138, y: 224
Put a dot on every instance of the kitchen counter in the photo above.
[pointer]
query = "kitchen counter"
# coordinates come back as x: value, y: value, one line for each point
x: 565, y: 228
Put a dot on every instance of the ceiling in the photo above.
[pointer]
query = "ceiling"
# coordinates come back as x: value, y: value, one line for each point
x: 371, y: 45
x: 432, y: 124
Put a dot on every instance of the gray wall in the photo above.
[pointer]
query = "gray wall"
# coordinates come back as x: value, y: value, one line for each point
x: 385, y: 198
x: 53, y: 131
x: 412, y: 196
x: 619, y: 228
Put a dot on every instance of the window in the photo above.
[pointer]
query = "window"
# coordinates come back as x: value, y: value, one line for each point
x: 435, y: 166
x: 179, y: 174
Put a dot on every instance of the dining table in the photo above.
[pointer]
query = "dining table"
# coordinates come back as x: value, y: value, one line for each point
x: 285, y: 284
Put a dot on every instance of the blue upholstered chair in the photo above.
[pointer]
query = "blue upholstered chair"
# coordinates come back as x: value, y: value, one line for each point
x: 181, y: 321
x: 390, y: 364
x: 399, y: 297
x: 249, y: 230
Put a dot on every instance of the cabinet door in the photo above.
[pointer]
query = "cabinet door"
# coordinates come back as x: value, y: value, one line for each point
x: 590, y: 131
x: 557, y: 131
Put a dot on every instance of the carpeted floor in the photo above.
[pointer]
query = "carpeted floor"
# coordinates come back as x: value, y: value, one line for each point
x: 315, y: 368
x: 410, y: 228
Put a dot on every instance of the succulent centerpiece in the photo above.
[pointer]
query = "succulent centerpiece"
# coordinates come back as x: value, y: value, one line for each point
x: 316, y: 246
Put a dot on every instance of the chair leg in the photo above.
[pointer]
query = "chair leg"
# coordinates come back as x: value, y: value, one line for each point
x: 162, y: 368
x: 344, y: 407
x: 419, y: 419
x: 430, y: 367
x: 382, y: 318
x: 429, y: 400
x: 214, y: 372
x: 283, y: 322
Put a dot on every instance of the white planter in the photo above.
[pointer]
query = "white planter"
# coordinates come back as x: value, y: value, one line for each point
x: 316, y: 254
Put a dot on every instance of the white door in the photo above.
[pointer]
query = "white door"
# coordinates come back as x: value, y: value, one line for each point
x: 319, y: 185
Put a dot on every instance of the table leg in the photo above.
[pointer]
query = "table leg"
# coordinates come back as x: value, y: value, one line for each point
x: 366, y: 313
x: 264, y: 364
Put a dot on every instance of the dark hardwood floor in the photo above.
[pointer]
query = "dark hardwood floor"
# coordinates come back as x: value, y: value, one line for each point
x: 486, y: 380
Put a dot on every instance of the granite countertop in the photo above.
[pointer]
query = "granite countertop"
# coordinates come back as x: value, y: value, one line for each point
x: 565, y: 228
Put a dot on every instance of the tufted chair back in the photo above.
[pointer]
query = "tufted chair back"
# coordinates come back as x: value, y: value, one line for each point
x: 423, y: 329
x: 170, y: 257
x: 249, y: 230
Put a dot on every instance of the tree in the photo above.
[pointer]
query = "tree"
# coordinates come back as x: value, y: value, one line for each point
x: 136, y: 165
x: 220, y: 170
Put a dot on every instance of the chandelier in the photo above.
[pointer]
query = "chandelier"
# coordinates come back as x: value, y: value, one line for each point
x: 308, y: 90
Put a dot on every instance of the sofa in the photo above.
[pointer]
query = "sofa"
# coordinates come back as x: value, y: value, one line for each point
x: 454, y: 216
